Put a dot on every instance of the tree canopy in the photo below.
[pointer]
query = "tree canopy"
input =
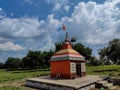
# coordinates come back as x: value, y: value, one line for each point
x: 85, y: 51
x: 36, y: 59
x: 33, y: 59
x: 111, y: 51
x: 12, y: 63
x: 58, y: 46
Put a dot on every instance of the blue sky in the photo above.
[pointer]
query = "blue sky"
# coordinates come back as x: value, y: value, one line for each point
x: 36, y: 24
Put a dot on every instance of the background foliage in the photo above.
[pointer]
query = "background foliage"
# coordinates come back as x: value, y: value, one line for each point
x: 38, y: 59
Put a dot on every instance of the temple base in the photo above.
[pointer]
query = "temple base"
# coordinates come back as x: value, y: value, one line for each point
x: 84, y: 83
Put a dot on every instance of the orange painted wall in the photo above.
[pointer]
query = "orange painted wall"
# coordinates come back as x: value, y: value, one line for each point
x: 62, y: 67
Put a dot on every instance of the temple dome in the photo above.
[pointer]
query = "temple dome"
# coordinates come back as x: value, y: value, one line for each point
x: 67, y: 53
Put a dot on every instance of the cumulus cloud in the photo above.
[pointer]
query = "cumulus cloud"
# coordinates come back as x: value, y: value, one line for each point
x: 90, y: 23
x: 10, y: 46
x: 30, y: 31
x: 59, y: 4
x: 50, y: 27
x: 95, y: 23
x: 20, y: 28
x: 57, y: 7
x: 67, y: 8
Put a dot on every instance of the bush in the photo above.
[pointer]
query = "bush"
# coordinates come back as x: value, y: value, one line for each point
x: 94, y: 62
x: 1, y: 65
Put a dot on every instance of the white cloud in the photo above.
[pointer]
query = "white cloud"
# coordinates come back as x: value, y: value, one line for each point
x: 10, y: 46
x: 90, y: 23
x: 58, y: 4
x: 95, y: 23
x: 50, y: 27
x: 0, y: 9
x: 29, y: 1
x: 57, y: 7
x: 31, y: 31
x: 20, y: 28
x: 66, y: 8
x: 2, y: 39
x: 1, y: 13
x: 51, y: 23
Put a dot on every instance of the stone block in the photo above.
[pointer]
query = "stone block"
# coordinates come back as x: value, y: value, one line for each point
x: 28, y: 83
x: 45, y: 86
x: 87, y: 88
x: 82, y: 89
x: 51, y: 87
x: 57, y: 88
x: 92, y: 86
x: 38, y: 85
x: 67, y: 88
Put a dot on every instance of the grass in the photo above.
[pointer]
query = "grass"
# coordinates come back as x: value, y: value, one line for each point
x: 108, y: 70
x: 13, y: 75
x: 16, y: 88
x: 6, y: 76
x: 10, y: 88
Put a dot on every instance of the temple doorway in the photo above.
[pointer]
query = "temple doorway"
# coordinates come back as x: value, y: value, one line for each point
x: 78, y: 69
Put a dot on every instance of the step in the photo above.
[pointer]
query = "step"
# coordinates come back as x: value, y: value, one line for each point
x: 102, y: 82
x: 113, y: 87
x: 107, y: 85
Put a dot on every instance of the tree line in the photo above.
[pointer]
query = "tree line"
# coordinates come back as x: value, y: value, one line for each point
x: 38, y: 59
x: 32, y: 60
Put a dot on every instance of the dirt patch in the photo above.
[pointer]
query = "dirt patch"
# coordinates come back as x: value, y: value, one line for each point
x: 13, y: 83
x: 18, y: 83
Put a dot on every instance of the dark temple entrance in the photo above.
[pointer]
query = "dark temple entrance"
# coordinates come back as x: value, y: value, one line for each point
x: 78, y: 69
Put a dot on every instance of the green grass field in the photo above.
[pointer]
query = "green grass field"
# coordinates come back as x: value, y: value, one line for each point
x: 107, y: 70
x: 21, y: 74
x: 10, y: 88
x: 17, y: 75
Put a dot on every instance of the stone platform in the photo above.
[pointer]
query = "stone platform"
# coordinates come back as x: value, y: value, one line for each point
x: 47, y: 83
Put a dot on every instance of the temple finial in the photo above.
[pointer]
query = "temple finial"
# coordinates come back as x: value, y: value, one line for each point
x: 66, y: 39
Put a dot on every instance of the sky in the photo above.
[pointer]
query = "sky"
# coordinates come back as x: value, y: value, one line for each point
x: 37, y: 24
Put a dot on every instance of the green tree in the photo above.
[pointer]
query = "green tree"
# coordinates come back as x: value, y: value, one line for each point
x: 111, y: 52
x: 33, y: 60
x: 85, y: 51
x: 93, y: 61
x: 47, y: 56
x: 58, y: 46
x: 12, y: 63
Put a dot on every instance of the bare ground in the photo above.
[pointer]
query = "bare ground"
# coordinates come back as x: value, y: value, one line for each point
x: 18, y: 83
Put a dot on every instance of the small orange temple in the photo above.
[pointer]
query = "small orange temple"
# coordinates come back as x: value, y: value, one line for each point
x: 67, y: 63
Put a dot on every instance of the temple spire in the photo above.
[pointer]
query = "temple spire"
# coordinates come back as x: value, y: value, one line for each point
x: 64, y: 29
x: 66, y: 39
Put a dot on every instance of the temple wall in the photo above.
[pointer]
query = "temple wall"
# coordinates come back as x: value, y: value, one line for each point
x: 60, y: 69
